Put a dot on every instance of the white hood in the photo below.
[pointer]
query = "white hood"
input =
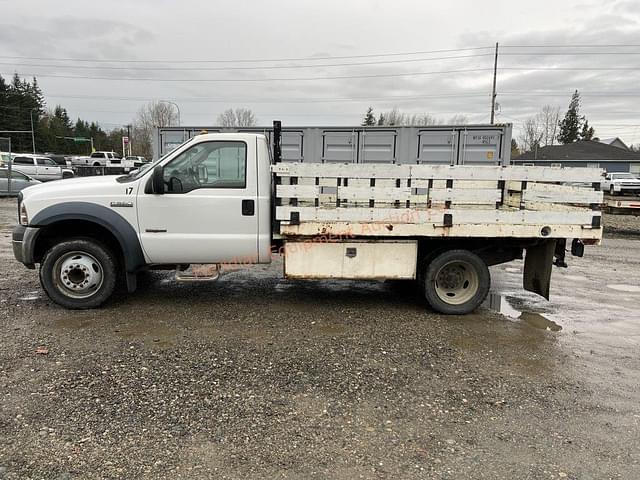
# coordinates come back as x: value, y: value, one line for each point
x: 101, y: 190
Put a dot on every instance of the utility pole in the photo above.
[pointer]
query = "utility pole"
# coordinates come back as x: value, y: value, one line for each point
x: 129, y: 137
x: 33, y: 135
x: 493, y: 93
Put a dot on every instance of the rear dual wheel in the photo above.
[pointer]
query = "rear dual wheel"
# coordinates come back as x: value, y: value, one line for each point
x: 456, y: 282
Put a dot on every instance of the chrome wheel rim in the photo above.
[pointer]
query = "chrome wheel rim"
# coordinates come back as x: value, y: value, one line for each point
x: 457, y: 282
x: 78, y: 274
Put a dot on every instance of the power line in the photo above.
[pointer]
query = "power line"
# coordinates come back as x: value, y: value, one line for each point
x: 260, y: 67
x: 276, y: 100
x: 563, y: 69
x: 254, y: 60
x: 566, y: 53
x: 285, y: 79
x: 584, y: 45
x: 307, y: 100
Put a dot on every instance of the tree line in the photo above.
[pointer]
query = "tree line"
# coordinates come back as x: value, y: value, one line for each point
x: 22, y: 105
x: 543, y: 129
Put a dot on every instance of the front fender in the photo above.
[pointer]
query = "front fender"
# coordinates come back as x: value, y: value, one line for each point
x: 122, y: 230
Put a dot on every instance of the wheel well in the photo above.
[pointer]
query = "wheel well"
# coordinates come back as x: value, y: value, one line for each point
x: 65, y: 229
x: 492, y: 251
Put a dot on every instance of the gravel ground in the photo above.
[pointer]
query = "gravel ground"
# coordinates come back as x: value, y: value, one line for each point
x: 622, y: 225
x: 258, y: 377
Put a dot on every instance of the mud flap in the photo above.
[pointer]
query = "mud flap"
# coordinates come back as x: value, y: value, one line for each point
x: 537, y: 268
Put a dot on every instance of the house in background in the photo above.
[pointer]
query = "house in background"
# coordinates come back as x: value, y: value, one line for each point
x: 614, y: 142
x: 587, y: 153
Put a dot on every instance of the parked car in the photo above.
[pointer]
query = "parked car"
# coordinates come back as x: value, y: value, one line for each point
x: 4, y: 158
x: 19, y: 181
x: 60, y: 159
x: 620, y: 183
x: 137, y: 159
x: 40, y: 167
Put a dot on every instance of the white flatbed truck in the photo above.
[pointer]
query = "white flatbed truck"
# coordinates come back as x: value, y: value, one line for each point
x: 226, y: 198
x: 621, y: 204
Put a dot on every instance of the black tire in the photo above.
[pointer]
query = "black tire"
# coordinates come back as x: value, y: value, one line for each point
x: 67, y: 175
x: 456, y: 282
x: 79, y: 273
x: 612, y: 190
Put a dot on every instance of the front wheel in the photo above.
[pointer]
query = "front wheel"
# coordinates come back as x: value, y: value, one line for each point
x: 612, y: 190
x: 78, y: 273
x: 456, y: 282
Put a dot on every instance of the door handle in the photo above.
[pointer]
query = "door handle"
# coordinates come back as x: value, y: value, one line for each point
x: 248, y: 208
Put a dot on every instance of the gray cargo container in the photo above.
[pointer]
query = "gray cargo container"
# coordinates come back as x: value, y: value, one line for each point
x: 434, y: 145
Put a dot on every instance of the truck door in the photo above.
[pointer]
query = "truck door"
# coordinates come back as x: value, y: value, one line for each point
x: 47, y: 169
x: 208, y: 211
x: 26, y: 165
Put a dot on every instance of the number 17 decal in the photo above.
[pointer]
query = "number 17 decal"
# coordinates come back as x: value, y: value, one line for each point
x: 128, y: 190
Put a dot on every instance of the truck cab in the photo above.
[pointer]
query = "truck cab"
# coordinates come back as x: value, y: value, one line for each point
x: 206, y: 202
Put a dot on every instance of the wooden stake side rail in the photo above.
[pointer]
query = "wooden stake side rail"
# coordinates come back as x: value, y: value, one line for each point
x: 441, y: 172
x: 427, y: 200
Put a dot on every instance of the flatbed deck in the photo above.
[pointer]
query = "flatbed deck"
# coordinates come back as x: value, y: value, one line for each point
x: 438, y: 201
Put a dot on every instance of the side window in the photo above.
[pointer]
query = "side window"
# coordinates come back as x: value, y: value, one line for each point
x: 22, y: 161
x: 17, y: 175
x: 45, y: 161
x: 208, y: 165
x: 97, y: 155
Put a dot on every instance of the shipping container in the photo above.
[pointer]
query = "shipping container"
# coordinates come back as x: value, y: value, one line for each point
x: 431, y: 145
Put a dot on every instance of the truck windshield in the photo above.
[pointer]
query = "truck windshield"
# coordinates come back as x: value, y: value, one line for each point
x: 149, y: 166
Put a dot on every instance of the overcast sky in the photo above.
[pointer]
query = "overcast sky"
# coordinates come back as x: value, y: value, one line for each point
x: 266, y: 32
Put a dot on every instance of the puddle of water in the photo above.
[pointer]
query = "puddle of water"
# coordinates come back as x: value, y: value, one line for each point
x: 500, y: 304
x: 574, y: 278
x: 624, y: 288
x: 30, y: 296
x: 512, y: 270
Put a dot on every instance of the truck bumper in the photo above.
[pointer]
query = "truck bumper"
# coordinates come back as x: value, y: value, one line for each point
x: 23, y: 241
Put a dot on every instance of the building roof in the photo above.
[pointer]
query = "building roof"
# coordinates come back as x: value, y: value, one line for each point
x: 614, y: 141
x: 583, y: 150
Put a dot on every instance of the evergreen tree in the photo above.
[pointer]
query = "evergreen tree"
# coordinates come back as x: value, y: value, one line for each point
x: 587, y: 131
x: 515, y: 151
x: 369, y: 118
x: 574, y: 126
x: 570, y: 124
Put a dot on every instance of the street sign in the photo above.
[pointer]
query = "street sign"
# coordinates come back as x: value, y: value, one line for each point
x: 125, y: 140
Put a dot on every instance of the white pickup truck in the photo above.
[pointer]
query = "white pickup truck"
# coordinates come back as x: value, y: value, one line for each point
x: 97, y: 159
x: 40, y: 167
x: 218, y: 199
x: 619, y: 183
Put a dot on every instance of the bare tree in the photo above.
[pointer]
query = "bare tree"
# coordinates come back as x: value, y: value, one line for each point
x: 153, y: 114
x: 548, y: 119
x: 532, y: 133
x: 422, y: 120
x: 395, y: 117
x: 240, y: 117
x: 459, y: 119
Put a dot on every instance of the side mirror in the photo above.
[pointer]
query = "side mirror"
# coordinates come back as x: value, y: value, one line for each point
x: 157, y: 181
